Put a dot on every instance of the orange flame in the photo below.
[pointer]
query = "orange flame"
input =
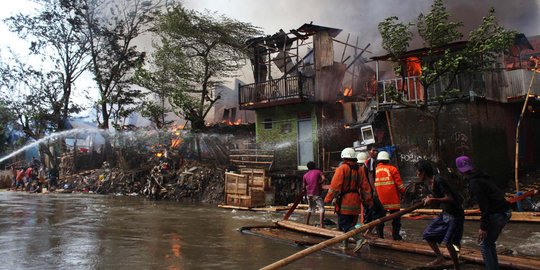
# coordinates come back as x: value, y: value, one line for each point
x: 414, y: 66
x: 347, y: 92
x: 176, y: 142
x: 235, y: 123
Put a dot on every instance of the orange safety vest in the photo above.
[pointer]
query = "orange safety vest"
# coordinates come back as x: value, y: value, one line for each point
x: 353, y: 187
x: 389, y: 186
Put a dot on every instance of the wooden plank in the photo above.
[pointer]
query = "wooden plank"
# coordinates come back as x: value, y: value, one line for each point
x: 307, y: 228
x: 253, y: 171
x: 233, y: 207
x: 236, y: 183
x: 258, y: 156
x: 233, y: 188
x: 473, y: 214
x: 235, y: 196
x: 468, y: 254
x: 252, y: 162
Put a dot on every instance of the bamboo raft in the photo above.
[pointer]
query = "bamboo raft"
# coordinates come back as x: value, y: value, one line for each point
x: 419, y: 214
x: 393, y: 251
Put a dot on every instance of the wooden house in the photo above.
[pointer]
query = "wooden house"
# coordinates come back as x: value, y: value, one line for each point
x: 297, y: 83
x: 480, y: 122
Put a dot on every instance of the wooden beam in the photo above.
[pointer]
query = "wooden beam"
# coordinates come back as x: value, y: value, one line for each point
x: 349, y: 45
x: 261, y: 156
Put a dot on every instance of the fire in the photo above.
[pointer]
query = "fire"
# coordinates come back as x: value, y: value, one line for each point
x: 235, y: 123
x: 176, y: 142
x: 414, y: 66
x: 347, y: 92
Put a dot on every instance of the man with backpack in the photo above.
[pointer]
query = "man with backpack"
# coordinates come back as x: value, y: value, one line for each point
x: 447, y: 228
x: 348, y: 189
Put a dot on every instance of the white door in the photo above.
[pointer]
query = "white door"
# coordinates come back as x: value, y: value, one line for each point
x: 305, y: 142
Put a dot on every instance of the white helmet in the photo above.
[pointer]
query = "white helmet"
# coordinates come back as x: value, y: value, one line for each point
x: 348, y: 153
x: 383, y: 155
x: 361, y: 157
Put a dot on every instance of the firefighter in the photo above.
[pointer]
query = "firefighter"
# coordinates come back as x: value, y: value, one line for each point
x: 348, y: 189
x: 390, y: 188
x: 376, y: 210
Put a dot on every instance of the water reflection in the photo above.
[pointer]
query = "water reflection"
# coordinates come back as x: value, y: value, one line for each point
x: 76, y: 231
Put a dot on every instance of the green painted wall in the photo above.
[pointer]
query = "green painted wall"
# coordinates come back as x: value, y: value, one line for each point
x: 283, y: 136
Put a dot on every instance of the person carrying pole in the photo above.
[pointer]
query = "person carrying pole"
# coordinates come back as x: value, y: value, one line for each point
x: 389, y: 187
x: 348, y: 189
x: 447, y: 228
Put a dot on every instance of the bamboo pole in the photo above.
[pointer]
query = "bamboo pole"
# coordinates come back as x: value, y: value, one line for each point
x: 337, y: 239
x: 519, y: 123
x: 291, y: 210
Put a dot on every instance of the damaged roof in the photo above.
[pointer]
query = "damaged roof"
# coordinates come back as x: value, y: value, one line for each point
x: 422, y: 51
x: 281, y: 39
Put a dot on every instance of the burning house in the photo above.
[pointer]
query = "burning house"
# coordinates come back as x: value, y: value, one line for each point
x: 482, y: 118
x: 298, y: 81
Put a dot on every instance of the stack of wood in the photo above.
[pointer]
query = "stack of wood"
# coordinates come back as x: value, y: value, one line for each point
x: 252, y: 158
x: 246, y: 189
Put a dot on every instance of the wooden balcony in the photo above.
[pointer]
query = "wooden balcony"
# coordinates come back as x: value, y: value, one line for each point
x: 412, y: 90
x: 288, y: 90
x: 501, y: 86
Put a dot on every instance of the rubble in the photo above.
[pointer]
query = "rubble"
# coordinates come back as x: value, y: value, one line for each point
x: 192, y: 182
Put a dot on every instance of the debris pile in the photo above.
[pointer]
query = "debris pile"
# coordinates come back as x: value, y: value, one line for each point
x: 192, y: 182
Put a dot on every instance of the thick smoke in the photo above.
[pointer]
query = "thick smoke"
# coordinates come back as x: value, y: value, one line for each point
x: 360, y: 18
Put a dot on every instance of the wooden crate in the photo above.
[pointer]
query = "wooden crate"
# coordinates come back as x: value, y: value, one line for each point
x: 246, y: 189
x: 257, y: 177
x: 256, y: 199
x: 236, y: 184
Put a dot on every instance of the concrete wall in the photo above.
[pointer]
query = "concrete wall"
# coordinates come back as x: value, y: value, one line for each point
x: 283, y: 136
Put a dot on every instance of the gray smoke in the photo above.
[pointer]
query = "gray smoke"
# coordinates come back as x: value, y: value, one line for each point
x: 360, y: 17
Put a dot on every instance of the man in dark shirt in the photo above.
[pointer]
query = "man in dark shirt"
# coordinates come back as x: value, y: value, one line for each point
x: 447, y: 228
x: 494, y: 207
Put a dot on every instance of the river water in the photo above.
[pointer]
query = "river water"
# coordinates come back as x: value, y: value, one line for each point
x: 82, y: 231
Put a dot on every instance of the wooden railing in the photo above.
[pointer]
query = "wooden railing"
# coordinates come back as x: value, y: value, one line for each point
x: 501, y: 86
x: 412, y: 90
x: 278, y: 89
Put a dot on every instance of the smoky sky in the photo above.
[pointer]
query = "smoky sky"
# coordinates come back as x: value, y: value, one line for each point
x: 361, y: 17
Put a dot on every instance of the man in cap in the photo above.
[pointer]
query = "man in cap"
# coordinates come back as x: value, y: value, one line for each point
x: 494, y: 207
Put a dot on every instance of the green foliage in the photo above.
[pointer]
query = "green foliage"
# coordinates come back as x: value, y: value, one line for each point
x: 487, y: 42
x: 6, y: 118
x: 395, y: 36
x: 54, y: 35
x: 197, y: 51
x: 436, y: 29
x: 111, y: 28
x: 444, y: 59
x: 441, y: 63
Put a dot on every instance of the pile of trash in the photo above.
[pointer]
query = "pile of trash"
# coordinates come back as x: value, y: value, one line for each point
x: 192, y: 182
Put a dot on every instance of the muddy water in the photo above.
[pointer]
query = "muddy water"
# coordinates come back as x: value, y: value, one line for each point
x: 77, y: 231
